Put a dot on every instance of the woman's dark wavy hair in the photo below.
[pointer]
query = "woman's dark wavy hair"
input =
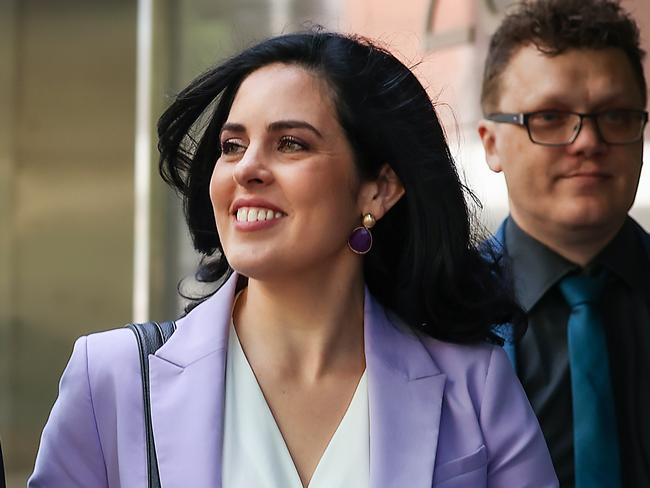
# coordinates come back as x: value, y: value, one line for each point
x: 424, y: 264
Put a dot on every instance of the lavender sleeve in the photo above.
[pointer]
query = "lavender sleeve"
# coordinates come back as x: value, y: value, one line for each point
x: 70, y: 452
x: 516, y: 449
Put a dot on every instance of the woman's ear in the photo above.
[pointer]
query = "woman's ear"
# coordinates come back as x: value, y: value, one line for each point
x: 379, y: 195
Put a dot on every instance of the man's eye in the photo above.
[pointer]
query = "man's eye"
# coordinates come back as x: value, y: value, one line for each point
x: 291, y: 144
x: 232, y: 147
x: 550, y: 118
x: 615, y: 117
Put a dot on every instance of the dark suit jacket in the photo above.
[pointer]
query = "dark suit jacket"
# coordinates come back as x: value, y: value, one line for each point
x: 629, y: 350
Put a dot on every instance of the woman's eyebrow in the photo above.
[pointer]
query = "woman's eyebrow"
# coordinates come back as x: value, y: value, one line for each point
x: 293, y: 124
x: 274, y: 126
x: 232, y: 127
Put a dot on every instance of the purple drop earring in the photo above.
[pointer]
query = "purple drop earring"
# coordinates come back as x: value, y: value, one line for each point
x: 360, y: 240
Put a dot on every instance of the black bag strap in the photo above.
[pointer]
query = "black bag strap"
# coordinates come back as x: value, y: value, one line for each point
x: 150, y: 336
x: 2, y: 470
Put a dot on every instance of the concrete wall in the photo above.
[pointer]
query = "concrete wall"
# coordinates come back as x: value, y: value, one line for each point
x: 66, y: 151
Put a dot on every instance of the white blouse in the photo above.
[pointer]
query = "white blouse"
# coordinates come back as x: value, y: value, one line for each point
x: 254, y: 451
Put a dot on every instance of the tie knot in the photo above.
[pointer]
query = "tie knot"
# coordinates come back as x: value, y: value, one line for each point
x: 579, y: 289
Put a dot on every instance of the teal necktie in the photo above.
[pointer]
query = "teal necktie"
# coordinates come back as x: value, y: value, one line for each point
x: 595, y: 437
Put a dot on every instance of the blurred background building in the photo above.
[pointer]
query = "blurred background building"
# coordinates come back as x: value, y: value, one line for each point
x: 89, y: 237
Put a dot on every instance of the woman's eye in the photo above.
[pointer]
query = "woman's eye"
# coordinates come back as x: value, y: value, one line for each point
x: 290, y: 144
x: 231, y: 146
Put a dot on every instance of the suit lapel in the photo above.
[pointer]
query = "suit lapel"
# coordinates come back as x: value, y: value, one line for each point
x: 645, y: 237
x: 187, y: 394
x: 498, y: 244
x: 498, y: 241
x: 405, y: 391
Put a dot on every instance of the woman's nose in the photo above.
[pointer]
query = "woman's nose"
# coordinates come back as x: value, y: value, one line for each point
x: 251, y: 169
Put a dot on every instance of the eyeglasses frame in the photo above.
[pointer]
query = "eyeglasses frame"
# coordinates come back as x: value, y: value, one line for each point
x: 522, y: 119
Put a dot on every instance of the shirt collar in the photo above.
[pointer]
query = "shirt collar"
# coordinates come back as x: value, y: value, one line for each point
x: 536, y: 268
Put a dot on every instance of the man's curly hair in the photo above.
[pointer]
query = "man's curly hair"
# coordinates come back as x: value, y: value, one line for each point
x: 556, y: 26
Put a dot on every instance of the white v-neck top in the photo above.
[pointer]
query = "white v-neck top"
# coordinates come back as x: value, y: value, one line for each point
x: 254, y: 452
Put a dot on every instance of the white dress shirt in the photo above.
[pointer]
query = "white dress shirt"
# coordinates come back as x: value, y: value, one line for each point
x: 254, y: 452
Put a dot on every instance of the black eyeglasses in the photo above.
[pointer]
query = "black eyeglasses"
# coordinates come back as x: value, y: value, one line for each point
x: 559, y: 128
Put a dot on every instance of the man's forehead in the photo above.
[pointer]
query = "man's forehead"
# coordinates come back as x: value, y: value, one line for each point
x: 577, y: 76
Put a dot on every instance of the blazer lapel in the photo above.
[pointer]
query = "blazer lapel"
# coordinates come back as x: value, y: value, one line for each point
x: 187, y: 394
x: 405, y: 391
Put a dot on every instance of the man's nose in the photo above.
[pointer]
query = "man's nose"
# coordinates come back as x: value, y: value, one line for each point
x: 589, y: 139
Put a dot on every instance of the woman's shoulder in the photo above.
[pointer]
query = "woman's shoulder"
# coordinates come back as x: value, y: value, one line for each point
x: 450, y: 357
x: 110, y: 357
x: 111, y: 345
x: 466, y: 366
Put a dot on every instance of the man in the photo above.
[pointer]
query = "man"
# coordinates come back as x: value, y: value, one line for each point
x: 564, y: 99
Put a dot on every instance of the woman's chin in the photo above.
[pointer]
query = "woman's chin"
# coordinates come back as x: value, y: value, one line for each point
x: 257, y: 269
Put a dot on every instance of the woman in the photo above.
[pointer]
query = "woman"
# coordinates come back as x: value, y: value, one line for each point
x: 347, y: 343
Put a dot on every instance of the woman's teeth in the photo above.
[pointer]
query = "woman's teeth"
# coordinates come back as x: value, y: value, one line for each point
x: 254, y: 214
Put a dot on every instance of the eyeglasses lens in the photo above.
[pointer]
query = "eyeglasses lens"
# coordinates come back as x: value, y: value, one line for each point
x: 560, y: 128
x: 553, y: 127
x: 620, y: 126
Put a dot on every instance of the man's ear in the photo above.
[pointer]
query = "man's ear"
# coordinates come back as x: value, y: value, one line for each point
x: 379, y: 195
x: 486, y: 131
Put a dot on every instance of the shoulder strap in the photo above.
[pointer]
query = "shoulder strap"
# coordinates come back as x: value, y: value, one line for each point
x: 2, y: 470
x: 150, y: 336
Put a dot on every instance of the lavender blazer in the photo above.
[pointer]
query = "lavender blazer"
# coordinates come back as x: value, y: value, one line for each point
x: 441, y: 415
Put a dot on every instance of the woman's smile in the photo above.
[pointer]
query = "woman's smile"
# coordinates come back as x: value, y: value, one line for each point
x: 251, y: 214
x: 256, y: 218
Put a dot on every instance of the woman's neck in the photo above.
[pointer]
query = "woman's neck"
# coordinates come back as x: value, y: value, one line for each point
x: 304, y: 328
